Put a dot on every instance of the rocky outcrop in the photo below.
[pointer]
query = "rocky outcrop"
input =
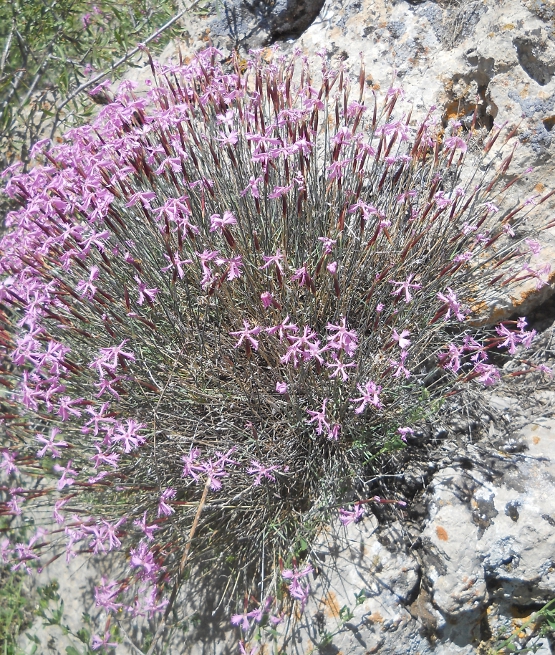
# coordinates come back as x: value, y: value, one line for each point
x: 484, y: 554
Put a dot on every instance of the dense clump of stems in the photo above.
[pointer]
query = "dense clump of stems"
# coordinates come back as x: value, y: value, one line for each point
x: 222, y: 299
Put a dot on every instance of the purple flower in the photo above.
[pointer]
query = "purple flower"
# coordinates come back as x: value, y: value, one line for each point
x: 454, y: 143
x: 86, y: 288
x: 267, y: 299
x: 452, y: 358
x: 355, y: 516
x: 534, y: 246
x: 276, y: 259
x: 106, y: 593
x: 340, y: 367
x: 144, y: 292
x: 404, y: 432
x: 50, y: 444
x: 148, y: 530
x: 343, y: 339
x: 103, y: 642
x: 400, y: 365
x: 401, y: 339
x: 66, y: 471
x: 228, y: 139
x: 252, y: 187
x: 283, y: 328
x: 8, y: 463
x: 281, y: 387
x: 261, y: 472
x: 488, y: 373
x: 512, y: 339
x: 163, y: 508
x: 328, y: 244
x: 218, y: 223
x: 144, y: 197
x: 320, y: 418
x: 128, y: 435
x: 241, y: 620
x: 453, y: 305
x: 247, y: 335
x: 370, y: 396
x: 405, y: 286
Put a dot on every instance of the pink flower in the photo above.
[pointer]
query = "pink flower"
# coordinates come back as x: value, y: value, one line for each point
x: 328, y: 244
x: 144, y: 292
x: 343, y: 339
x: 401, y: 339
x: 302, y: 276
x: 454, y: 143
x: 339, y: 367
x: 283, y: 328
x: 261, y: 472
x: 235, y: 264
x: 50, y: 444
x: 163, y: 508
x: 217, y: 223
x: 400, y: 366
x: 534, y: 246
x: 241, y: 620
x: 8, y: 462
x: 66, y: 471
x: 452, y: 358
x: 319, y: 417
x: 276, y: 259
x: 103, y: 642
x: 144, y: 197
x: 347, y: 517
x: 404, y: 432
x: 148, y: 530
x: 453, y: 305
x: 252, y: 187
x: 266, y: 299
x: 488, y: 373
x: 281, y: 387
x: 228, y: 139
x: 106, y: 593
x: 405, y: 286
x: 247, y: 335
x: 370, y: 396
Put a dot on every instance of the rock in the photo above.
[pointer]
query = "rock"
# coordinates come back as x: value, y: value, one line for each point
x: 489, y: 539
x: 452, y: 563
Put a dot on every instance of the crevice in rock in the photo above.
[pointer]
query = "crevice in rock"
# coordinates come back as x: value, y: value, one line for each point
x: 469, y: 93
x: 527, y: 53
x: 260, y: 23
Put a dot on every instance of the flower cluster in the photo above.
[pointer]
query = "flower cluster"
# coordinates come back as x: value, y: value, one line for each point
x: 220, y: 292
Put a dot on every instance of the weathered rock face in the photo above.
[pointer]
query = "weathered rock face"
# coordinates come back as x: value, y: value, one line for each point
x: 497, y: 56
x: 485, y: 554
x: 259, y: 23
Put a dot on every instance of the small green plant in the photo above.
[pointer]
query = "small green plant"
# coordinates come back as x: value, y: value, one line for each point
x: 50, y: 609
x: 526, y: 638
x: 346, y: 614
x: 14, y: 610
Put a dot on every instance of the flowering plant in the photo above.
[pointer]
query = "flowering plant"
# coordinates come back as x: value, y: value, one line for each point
x: 218, y: 299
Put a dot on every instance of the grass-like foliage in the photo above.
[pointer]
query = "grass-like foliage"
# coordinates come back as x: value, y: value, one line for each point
x: 221, y: 299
